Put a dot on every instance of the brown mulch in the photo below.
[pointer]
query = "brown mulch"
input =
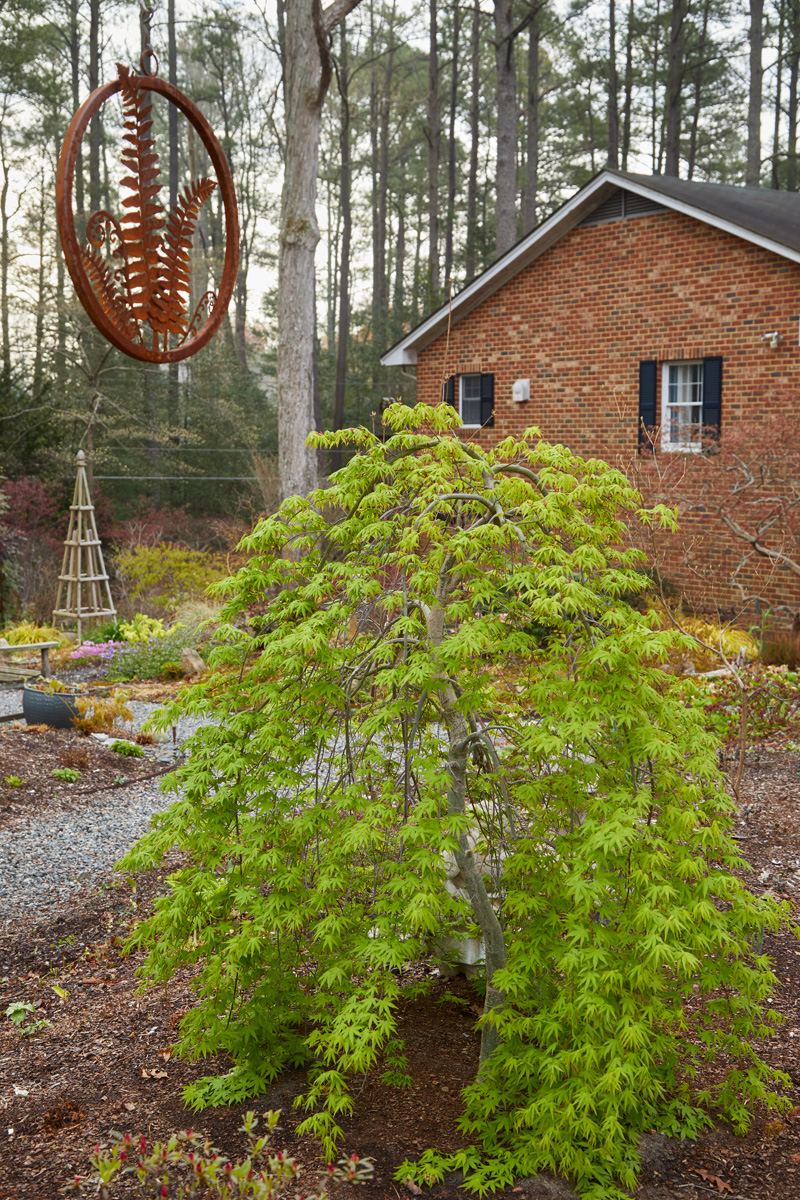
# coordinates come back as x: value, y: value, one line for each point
x: 31, y: 753
x: 105, y: 1060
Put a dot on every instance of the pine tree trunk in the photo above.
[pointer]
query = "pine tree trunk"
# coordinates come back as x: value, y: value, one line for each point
x: 756, y: 39
x: 95, y: 132
x: 532, y: 123
x: 172, y: 129
x: 434, y: 158
x: 507, y: 119
x: 381, y: 294
x: 674, y: 81
x: 793, y: 40
x: 307, y: 74
x: 332, y: 264
x: 344, y: 266
x: 451, y: 155
x: 628, y: 89
x: 698, y: 90
x: 5, y: 264
x: 474, y: 136
x: 281, y: 19
x: 61, y: 314
x: 776, y: 129
x: 41, y: 282
x: 612, y: 154
x: 398, y: 299
x: 75, y: 80
x: 378, y: 235
x: 656, y: 27
x: 420, y: 288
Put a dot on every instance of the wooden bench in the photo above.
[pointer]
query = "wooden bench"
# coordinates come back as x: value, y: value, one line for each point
x: 44, y: 647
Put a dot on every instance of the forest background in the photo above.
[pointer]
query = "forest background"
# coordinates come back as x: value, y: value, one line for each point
x: 448, y: 131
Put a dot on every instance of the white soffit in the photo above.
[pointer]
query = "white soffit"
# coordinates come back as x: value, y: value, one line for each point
x: 565, y: 218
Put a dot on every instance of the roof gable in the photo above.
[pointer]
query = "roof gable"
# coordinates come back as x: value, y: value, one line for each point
x: 770, y: 219
x: 621, y: 205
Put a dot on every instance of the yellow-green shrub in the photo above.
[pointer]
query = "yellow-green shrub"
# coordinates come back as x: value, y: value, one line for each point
x: 724, y: 641
x: 142, y: 628
x: 26, y: 633
x: 163, y: 576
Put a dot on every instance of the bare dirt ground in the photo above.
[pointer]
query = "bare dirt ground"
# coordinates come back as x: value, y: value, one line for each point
x: 29, y: 755
x: 104, y: 1061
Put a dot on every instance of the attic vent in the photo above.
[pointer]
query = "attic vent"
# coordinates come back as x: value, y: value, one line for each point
x: 620, y: 205
x: 637, y: 206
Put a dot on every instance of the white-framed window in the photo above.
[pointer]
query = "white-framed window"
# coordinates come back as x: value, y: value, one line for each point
x: 682, y: 406
x: 469, y: 399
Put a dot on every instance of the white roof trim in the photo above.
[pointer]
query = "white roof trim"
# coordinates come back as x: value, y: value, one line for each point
x: 542, y: 238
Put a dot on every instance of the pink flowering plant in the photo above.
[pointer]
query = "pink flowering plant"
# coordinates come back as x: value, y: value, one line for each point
x: 188, y: 1166
x: 103, y: 650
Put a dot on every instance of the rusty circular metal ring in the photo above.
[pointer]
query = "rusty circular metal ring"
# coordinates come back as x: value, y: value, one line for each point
x: 69, y: 239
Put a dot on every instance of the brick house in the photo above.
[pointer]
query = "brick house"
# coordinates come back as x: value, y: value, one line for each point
x: 643, y: 310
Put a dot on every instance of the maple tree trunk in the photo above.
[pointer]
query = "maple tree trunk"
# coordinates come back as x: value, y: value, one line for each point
x: 458, y: 731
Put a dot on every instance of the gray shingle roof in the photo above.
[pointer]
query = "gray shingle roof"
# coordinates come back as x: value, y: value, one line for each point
x: 770, y: 214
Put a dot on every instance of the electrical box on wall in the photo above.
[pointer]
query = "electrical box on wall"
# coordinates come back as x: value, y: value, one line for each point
x: 521, y: 391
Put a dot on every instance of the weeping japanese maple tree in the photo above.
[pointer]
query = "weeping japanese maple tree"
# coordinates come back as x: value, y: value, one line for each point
x: 447, y: 675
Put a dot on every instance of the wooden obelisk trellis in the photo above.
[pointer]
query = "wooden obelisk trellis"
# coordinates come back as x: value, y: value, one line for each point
x: 83, y: 582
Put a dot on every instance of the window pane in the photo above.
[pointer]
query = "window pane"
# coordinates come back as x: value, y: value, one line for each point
x: 673, y: 385
x: 471, y: 399
x: 684, y: 403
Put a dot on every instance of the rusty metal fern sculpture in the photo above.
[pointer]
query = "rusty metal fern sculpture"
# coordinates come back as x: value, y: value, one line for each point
x: 144, y: 215
x: 169, y: 307
x: 113, y: 302
x: 152, y: 283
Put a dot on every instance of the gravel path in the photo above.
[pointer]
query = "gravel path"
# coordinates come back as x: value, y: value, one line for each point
x: 44, y: 859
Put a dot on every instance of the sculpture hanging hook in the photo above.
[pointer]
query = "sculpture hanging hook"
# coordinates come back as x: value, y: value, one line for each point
x: 147, y: 10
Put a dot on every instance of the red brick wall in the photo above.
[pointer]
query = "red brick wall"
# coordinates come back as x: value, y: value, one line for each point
x: 578, y: 321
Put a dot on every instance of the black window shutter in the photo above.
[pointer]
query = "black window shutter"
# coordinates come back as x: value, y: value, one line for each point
x: 648, y: 400
x: 449, y: 391
x: 712, y: 396
x: 487, y: 401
